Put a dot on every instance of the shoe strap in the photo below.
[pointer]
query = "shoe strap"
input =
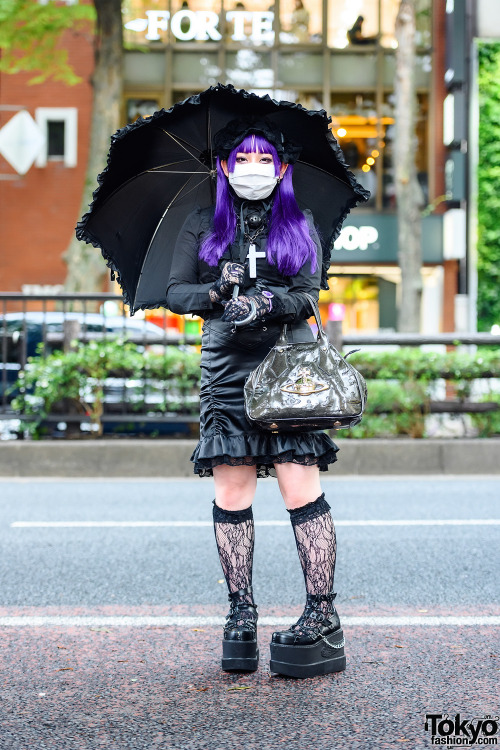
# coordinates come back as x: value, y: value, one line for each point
x: 313, y: 611
x: 233, y: 595
x: 314, y: 599
x: 238, y: 604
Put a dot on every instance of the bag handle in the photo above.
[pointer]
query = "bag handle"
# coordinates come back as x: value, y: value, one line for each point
x: 322, y: 337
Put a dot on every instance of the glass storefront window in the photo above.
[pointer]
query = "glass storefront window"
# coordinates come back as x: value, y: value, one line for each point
x: 144, y: 70
x: 389, y: 12
x: 301, y: 21
x: 300, y: 68
x: 352, y: 23
x: 140, y: 107
x: 361, y: 134
x: 355, y: 23
x: 359, y: 296
x: 367, y: 140
x: 422, y: 155
x: 250, y: 69
x: 195, y: 68
x: 348, y: 69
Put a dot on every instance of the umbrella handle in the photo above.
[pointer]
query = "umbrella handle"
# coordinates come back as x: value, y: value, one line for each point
x: 253, y: 311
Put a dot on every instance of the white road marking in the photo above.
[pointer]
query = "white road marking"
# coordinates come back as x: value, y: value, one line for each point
x: 428, y: 478
x: 158, y: 621
x: 188, y: 524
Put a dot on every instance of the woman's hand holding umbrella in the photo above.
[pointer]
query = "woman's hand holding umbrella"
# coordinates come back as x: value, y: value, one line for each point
x: 243, y: 309
x: 232, y: 275
x: 239, y: 310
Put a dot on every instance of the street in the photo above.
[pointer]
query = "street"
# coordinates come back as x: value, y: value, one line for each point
x: 113, y: 601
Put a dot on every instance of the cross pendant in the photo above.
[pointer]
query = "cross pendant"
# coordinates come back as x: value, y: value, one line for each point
x: 252, y: 257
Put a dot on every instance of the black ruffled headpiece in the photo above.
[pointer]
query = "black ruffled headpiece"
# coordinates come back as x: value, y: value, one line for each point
x: 236, y: 131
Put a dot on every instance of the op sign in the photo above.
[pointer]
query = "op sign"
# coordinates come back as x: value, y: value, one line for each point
x: 202, y: 25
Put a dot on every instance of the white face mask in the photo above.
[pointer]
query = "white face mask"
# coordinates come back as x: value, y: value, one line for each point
x: 253, y: 181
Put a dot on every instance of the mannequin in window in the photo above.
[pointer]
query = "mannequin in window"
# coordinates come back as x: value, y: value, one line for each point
x: 300, y: 22
x: 355, y: 33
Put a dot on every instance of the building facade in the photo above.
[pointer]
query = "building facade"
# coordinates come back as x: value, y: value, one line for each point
x: 39, y: 207
x: 337, y: 55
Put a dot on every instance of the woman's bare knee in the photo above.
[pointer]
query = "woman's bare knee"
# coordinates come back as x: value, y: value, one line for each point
x: 234, y: 486
x: 298, y: 484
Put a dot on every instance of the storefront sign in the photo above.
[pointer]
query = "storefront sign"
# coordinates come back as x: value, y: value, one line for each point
x: 202, y: 25
x: 356, y: 238
x: 374, y: 239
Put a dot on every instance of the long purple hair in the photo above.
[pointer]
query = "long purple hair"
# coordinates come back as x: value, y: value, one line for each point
x: 289, y: 244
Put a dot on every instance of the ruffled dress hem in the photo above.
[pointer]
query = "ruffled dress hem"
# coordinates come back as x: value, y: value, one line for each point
x: 263, y: 451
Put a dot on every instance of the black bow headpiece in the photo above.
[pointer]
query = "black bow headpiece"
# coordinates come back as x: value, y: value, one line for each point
x: 236, y: 131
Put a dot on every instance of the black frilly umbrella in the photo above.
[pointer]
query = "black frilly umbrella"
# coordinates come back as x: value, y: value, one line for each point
x: 161, y: 167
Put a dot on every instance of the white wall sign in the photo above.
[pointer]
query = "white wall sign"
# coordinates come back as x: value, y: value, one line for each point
x: 202, y: 25
x: 21, y: 140
x: 356, y: 238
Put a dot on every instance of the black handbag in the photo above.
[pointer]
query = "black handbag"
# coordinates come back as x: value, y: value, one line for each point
x: 301, y: 387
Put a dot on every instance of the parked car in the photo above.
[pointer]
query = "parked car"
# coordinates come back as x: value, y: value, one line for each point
x: 27, y: 330
x: 21, y: 333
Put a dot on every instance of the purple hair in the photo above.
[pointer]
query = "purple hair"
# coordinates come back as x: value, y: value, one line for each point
x: 289, y: 244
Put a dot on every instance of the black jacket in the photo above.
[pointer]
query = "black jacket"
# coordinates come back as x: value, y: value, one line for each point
x: 191, y: 278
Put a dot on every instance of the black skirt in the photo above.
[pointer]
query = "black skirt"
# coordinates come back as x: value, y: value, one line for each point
x: 228, y: 356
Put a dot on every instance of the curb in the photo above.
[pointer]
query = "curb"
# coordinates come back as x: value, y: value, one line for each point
x: 170, y: 458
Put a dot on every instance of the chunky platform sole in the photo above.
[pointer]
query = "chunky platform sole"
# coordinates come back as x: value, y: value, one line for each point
x: 311, y: 660
x: 241, y: 656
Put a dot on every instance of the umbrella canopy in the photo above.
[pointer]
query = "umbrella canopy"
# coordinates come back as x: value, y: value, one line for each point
x: 161, y: 167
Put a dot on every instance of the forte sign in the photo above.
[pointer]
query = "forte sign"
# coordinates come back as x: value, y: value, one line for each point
x: 202, y: 25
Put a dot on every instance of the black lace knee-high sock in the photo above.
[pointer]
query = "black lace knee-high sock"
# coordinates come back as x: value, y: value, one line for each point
x: 234, y: 534
x: 316, y: 544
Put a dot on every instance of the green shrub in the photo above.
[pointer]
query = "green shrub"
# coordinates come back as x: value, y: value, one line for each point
x: 488, y: 423
x: 399, y: 384
x: 74, y: 381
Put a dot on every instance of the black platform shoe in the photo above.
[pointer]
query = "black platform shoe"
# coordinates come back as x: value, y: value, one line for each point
x: 239, y: 646
x: 314, y: 645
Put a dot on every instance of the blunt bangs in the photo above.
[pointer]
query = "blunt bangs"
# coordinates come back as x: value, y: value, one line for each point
x: 254, y: 144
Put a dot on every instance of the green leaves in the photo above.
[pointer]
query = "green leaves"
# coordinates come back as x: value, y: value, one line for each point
x: 400, y: 384
x: 415, y: 364
x: 30, y: 36
x: 488, y: 262
x: 75, y: 381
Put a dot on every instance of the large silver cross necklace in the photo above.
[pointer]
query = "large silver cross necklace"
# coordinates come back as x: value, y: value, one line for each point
x: 253, y: 253
x: 252, y: 256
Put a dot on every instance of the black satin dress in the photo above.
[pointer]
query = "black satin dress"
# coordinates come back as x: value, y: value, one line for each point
x: 229, y: 354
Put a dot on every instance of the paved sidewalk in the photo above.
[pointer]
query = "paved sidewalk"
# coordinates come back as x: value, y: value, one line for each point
x: 140, y: 688
x: 170, y: 458
x: 113, y: 602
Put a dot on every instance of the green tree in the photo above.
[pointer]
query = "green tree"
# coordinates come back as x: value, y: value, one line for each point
x: 488, y: 240
x: 86, y: 270
x: 30, y: 39
x: 30, y: 36
x: 408, y: 193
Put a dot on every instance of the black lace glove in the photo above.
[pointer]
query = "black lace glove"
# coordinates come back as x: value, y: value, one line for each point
x: 240, y: 307
x: 232, y: 273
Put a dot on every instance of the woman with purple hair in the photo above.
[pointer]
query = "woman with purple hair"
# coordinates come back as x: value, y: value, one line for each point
x: 257, y: 238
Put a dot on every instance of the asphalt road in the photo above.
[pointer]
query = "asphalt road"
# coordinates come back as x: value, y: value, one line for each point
x: 79, y: 556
